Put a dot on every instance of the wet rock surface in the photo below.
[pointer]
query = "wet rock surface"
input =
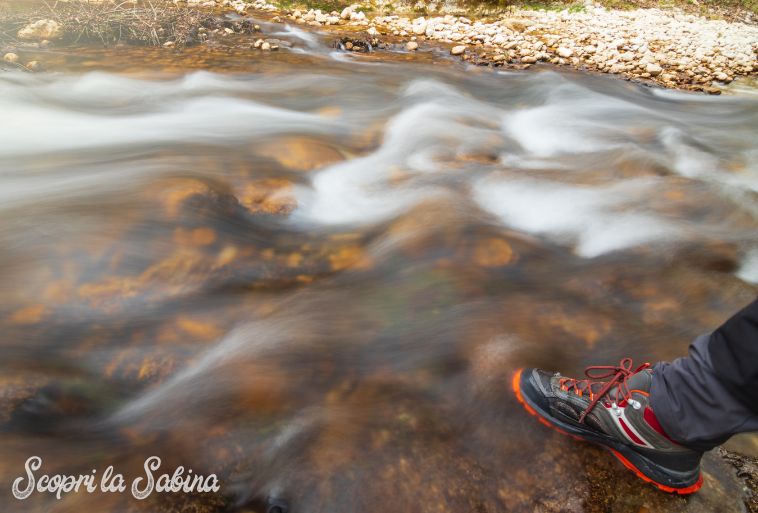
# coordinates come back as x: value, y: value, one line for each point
x: 747, y: 471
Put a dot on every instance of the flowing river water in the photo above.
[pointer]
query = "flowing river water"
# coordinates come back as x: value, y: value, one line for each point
x: 313, y: 273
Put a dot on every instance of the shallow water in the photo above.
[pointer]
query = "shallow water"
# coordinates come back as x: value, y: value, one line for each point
x: 313, y: 274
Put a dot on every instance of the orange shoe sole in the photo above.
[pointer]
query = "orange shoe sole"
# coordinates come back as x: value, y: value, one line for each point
x: 516, y: 384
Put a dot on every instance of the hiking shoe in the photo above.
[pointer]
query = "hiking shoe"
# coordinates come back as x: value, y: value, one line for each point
x: 616, y: 414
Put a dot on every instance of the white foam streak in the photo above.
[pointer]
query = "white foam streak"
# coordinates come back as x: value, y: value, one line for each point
x: 360, y: 190
x: 691, y: 162
x: 204, y: 378
x: 749, y: 269
x: 590, y: 219
x: 38, y: 128
x: 309, y: 38
x: 572, y: 121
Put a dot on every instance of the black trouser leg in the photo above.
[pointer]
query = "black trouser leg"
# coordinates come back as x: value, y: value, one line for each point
x: 703, y: 399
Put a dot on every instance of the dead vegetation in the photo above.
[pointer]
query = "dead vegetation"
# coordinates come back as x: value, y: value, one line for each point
x: 149, y: 24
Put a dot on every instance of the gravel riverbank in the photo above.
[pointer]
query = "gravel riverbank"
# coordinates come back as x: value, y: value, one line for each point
x: 666, y: 47
x: 670, y: 48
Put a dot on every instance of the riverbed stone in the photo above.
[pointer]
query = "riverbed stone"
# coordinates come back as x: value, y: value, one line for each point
x: 458, y: 50
x: 654, y: 69
x: 419, y: 28
x: 10, y: 57
x: 347, y: 11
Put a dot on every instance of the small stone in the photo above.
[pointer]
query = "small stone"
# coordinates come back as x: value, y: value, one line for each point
x: 458, y: 50
x: 266, y: 46
x: 10, y: 57
x: 168, y: 44
x: 34, y: 66
x: 616, y: 68
x: 348, y: 45
x: 653, y: 69
x: 346, y: 12
x: 627, y: 57
x: 411, y: 46
x: 565, y: 52
x: 372, y: 32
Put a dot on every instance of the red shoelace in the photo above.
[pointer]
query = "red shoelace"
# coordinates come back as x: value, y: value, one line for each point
x: 619, y: 375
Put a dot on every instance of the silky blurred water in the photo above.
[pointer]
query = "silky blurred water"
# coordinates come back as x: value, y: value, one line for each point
x: 315, y: 277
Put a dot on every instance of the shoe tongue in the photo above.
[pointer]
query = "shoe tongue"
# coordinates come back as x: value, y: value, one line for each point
x: 638, y: 381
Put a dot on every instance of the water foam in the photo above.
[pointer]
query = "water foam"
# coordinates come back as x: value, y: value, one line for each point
x: 554, y: 124
x: 360, y: 190
x: 592, y: 219
x: 748, y: 271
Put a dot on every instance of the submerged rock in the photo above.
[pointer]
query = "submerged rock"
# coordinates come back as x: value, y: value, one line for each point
x: 356, y: 45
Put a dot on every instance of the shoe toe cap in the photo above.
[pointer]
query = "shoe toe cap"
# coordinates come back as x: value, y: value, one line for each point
x: 534, y: 386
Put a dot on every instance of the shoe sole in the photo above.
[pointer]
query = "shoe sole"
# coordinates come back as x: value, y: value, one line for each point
x: 616, y: 450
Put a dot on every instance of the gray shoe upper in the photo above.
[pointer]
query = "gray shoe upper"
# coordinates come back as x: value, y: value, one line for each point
x: 613, y: 415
